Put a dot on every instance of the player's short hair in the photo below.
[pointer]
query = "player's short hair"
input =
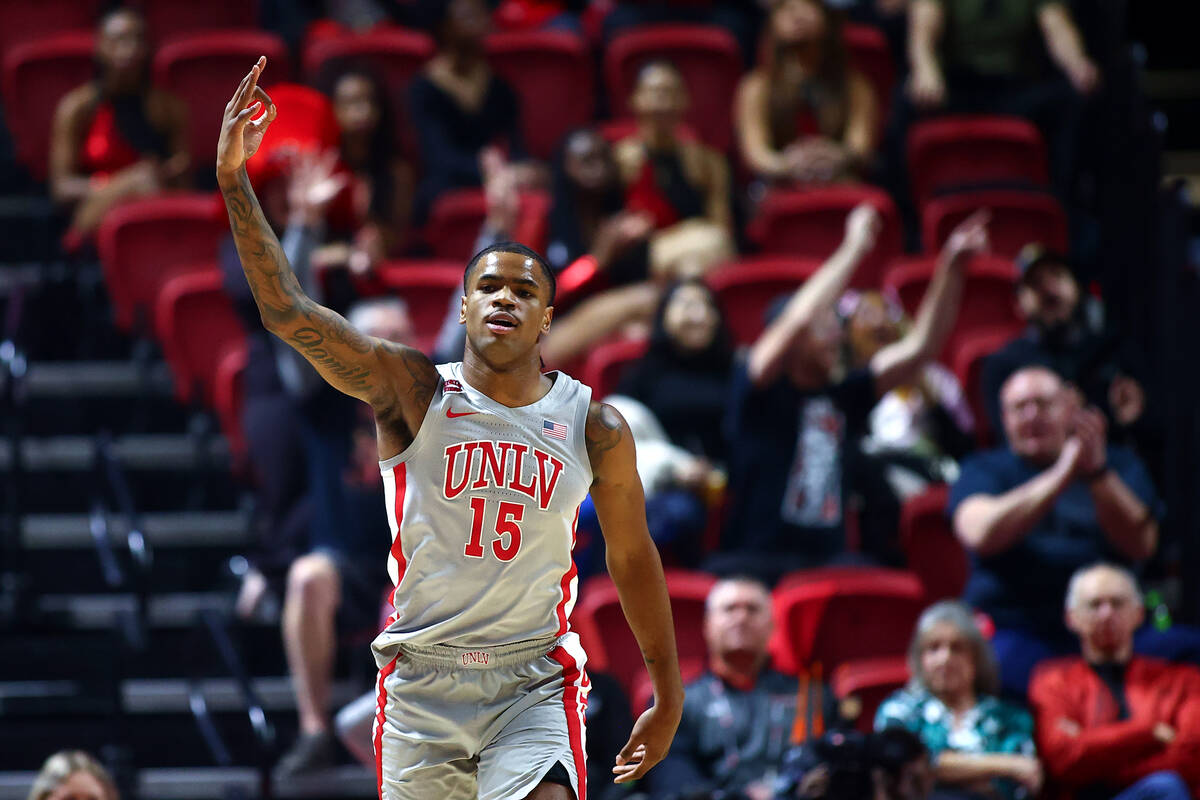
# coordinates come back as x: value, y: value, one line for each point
x: 521, y: 250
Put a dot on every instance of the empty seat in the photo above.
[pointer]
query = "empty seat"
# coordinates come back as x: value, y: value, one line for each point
x: 36, y: 76
x: 931, y: 549
x: 454, y: 223
x: 869, y: 681
x: 746, y: 288
x: 830, y: 616
x: 228, y: 395
x: 966, y: 359
x: 610, y: 644
x: 198, y: 329
x: 170, y: 19
x: 24, y: 21
x: 551, y: 72
x: 987, y: 301
x: 606, y: 363
x: 145, y: 242
x: 1018, y: 218
x: 708, y: 58
x: 426, y: 287
x: 202, y: 67
x: 812, y: 223
x: 868, y: 52
x: 972, y: 151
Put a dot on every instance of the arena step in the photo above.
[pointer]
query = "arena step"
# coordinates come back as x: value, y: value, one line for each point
x: 214, y: 783
x: 134, y: 451
x: 171, y: 529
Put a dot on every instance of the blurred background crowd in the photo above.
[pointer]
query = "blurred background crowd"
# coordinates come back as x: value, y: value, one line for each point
x: 897, y: 296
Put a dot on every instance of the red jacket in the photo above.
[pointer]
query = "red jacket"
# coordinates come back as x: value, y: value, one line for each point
x: 1081, y: 741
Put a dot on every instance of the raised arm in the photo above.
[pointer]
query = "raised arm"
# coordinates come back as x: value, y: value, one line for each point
x: 381, y: 373
x: 818, y: 292
x: 897, y: 364
x: 1065, y: 46
x: 926, y: 83
x: 637, y: 573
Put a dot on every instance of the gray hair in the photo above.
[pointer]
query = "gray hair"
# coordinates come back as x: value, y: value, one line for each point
x: 960, y: 615
x: 61, y: 766
x: 1074, y: 586
x: 363, y: 307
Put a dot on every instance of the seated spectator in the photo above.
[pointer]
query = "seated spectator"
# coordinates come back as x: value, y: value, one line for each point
x: 917, y: 430
x: 803, y: 114
x: 116, y: 137
x: 977, y: 742
x: 73, y: 775
x: 892, y: 764
x: 1113, y: 724
x: 797, y: 423
x: 1060, y: 336
x: 459, y: 107
x: 680, y: 183
x: 1056, y: 498
x: 739, y: 716
x: 368, y: 220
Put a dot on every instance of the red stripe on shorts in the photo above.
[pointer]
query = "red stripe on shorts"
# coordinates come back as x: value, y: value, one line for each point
x: 574, y: 708
x: 561, y: 611
x: 399, y: 475
x: 380, y: 717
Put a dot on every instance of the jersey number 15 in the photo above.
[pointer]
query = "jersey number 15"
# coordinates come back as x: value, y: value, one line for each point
x: 507, y: 531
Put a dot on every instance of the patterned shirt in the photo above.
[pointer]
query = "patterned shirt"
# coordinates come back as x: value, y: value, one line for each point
x: 991, y: 726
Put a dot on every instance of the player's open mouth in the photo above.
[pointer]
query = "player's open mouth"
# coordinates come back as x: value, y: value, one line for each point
x: 501, y: 322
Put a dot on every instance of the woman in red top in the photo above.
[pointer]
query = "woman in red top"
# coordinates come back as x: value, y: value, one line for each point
x: 116, y: 136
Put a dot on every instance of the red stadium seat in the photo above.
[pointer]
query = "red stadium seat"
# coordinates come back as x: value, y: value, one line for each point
x: 551, y: 72
x: 870, y: 55
x: 426, y: 287
x: 228, y: 395
x: 869, y: 681
x: 964, y: 152
x: 170, y: 19
x: 967, y: 362
x: 199, y: 329
x: 607, y: 362
x: 610, y: 644
x: 830, y: 616
x: 707, y: 56
x: 745, y: 288
x: 25, y: 21
x: 987, y: 301
x: 143, y: 243
x: 931, y: 549
x: 454, y: 223
x: 200, y: 69
x: 811, y: 223
x: 533, y: 219
x: 1018, y: 218
x: 36, y: 76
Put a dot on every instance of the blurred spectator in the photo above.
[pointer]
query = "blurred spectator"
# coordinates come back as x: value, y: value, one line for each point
x: 917, y: 430
x: 368, y: 220
x: 738, y: 717
x: 1056, y: 498
x: 73, y: 775
x: 679, y: 182
x: 1112, y: 724
x: 742, y: 18
x: 980, y: 745
x: 116, y: 136
x: 519, y: 15
x: 803, y: 114
x: 458, y: 106
x: 795, y: 424
x: 892, y: 764
x: 1059, y: 336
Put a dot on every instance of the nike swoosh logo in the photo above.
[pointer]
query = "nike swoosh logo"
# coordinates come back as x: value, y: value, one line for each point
x: 451, y: 415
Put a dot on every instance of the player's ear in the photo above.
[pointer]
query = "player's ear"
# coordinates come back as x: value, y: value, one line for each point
x: 462, y: 311
x: 547, y: 315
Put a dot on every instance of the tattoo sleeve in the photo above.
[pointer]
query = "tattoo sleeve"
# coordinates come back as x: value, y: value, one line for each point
x: 603, y: 432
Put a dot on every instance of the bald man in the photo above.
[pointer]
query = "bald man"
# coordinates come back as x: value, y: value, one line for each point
x: 1058, y: 497
x: 1113, y: 724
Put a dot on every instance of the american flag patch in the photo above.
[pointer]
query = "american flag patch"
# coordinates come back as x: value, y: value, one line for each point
x: 554, y: 430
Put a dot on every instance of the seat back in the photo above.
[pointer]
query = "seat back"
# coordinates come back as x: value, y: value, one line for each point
x: 170, y: 19
x: 967, y: 362
x: 868, y: 52
x: 199, y: 329
x: 454, y: 223
x: 25, y: 21
x: 708, y: 58
x: 551, y: 72
x: 228, y: 397
x: 974, y: 151
x: 426, y: 287
x: 37, y: 74
x: 1017, y: 218
x: 746, y: 288
x: 607, y: 362
x: 144, y: 242
x: 931, y: 549
x: 869, y: 681
x: 201, y: 67
x: 812, y: 223
x: 830, y: 616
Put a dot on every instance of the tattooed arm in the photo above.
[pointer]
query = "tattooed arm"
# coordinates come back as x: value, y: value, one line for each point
x: 637, y: 572
x: 388, y: 376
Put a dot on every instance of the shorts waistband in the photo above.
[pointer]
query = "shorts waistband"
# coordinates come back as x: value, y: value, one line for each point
x: 505, y: 655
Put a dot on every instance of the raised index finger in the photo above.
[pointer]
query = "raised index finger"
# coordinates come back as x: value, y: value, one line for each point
x: 249, y: 84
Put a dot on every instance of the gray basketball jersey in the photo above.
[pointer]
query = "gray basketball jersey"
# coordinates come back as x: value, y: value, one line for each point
x: 483, y: 507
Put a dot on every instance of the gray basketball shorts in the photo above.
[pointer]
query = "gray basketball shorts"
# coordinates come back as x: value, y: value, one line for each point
x: 455, y: 723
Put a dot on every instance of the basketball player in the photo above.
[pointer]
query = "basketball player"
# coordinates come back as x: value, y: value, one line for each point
x: 481, y: 686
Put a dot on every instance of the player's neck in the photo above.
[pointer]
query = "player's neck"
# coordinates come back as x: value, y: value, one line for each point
x: 513, y: 386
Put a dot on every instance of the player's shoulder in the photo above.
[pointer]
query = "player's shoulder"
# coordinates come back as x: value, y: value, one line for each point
x: 604, y: 431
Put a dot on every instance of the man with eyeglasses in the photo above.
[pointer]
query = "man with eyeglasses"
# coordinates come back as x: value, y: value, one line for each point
x: 1111, y: 724
x: 1056, y: 498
